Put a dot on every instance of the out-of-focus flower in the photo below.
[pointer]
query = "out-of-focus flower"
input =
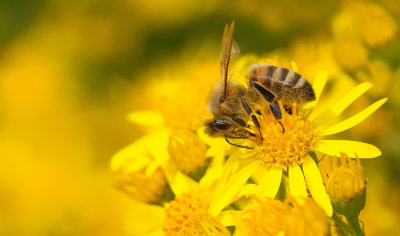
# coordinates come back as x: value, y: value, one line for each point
x: 288, y: 151
x: 263, y: 216
x: 137, y: 169
x: 180, y: 102
x: 375, y: 24
x: 306, y: 218
x: 314, y: 55
x: 196, y: 208
x: 187, y: 150
x: 349, y: 49
x: 266, y: 216
x: 344, y: 178
x: 345, y: 184
x: 181, y: 108
x: 377, y: 73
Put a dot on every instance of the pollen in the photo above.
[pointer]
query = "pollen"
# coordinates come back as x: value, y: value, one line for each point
x: 280, y: 149
x: 140, y: 186
x: 347, y: 180
x: 188, y: 215
x: 264, y: 217
x: 187, y: 150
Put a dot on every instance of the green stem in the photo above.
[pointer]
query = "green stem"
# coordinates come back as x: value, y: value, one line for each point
x: 354, y: 222
x: 347, y: 230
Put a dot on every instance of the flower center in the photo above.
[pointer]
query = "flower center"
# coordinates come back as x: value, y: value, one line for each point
x: 187, y: 150
x: 281, y: 150
x: 188, y: 215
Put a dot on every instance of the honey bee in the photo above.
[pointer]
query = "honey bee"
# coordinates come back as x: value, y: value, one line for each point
x: 232, y: 104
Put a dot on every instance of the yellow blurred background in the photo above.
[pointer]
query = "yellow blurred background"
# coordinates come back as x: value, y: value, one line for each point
x: 71, y: 71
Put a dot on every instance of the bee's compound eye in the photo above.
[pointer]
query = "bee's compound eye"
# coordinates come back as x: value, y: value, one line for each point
x: 222, y: 124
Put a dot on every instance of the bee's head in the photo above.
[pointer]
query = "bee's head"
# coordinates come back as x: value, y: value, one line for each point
x: 221, y: 127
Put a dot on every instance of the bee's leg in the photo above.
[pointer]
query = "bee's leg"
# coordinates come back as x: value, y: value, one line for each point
x: 243, y: 124
x: 271, y: 98
x: 249, y: 111
x: 237, y: 145
x: 239, y: 121
x: 276, y: 111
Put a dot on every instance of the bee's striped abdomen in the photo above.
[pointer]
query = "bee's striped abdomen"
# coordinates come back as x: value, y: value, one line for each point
x: 261, y: 73
x: 287, y: 85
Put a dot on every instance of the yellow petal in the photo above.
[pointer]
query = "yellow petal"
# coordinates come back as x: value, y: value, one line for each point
x: 344, y: 102
x: 141, y: 218
x: 269, y: 183
x: 350, y: 97
x: 318, y: 87
x: 233, y: 186
x: 157, y: 145
x: 157, y: 232
x: 354, y: 120
x: 179, y: 182
x: 147, y: 149
x: 350, y: 148
x: 217, y: 151
x: 230, y: 166
x: 215, y: 170
x: 297, y: 183
x: 131, y: 158
x: 316, y: 185
x: 146, y: 118
x: 227, y: 217
x: 248, y: 189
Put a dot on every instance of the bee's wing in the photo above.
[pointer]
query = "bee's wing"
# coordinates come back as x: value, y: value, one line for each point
x: 233, y: 61
x: 229, y: 51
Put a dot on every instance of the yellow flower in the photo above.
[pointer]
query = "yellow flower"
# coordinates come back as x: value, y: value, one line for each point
x: 181, y: 108
x: 306, y: 218
x: 197, y: 206
x: 345, y: 184
x: 266, y: 216
x: 349, y: 49
x: 187, y: 150
x: 344, y: 178
x: 306, y: 130
x: 375, y: 24
x: 377, y: 72
x: 263, y: 217
x: 188, y: 215
x: 180, y: 102
x: 137, y: 169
